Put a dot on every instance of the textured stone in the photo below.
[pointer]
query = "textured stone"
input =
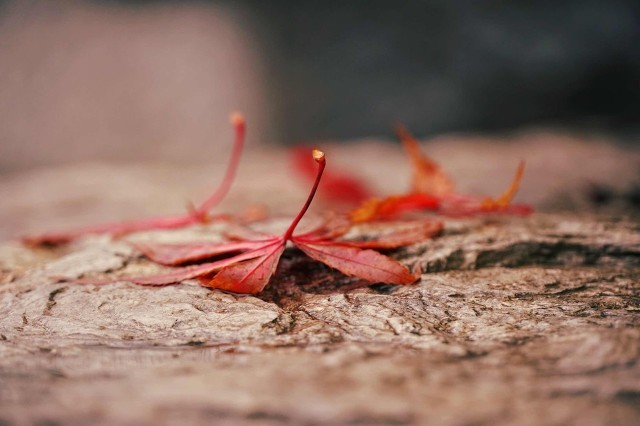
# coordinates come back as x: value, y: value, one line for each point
x: 515, y: 321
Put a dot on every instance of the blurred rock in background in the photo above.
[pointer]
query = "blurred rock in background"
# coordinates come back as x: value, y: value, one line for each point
x: 82, y: 80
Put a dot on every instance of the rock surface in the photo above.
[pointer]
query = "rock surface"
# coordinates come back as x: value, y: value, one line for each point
x: 515, y: 320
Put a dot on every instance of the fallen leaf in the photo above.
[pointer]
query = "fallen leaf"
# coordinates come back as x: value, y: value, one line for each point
x: 433, y: 190
x: 250, y: 270
x: 428, y: 177
x: 505, y: 199
x: 338, y: 187
x: 201, y: 214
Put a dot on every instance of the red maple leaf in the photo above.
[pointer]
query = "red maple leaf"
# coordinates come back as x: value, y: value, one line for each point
x: 337, y: 186
x: 201, y: 214
x: 433, y: 190
x: 255, y: 256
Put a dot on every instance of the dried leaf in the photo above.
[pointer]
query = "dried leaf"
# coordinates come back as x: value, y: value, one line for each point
x: 432, y: 190
x: 337, y: 186
x: 366, y: 264
x: 250, y: 276
x: 428, y: 177
x: 505, y: 199
x: 180, y: 253
x: 177, y: 275
x: 200, y: 214
x: 250, y: 270
x: 393, y: 206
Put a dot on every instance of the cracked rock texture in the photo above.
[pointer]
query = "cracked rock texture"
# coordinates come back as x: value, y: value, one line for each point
x: 515, y: 321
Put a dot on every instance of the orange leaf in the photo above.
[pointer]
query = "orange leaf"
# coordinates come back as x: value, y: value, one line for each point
x: 390, y: 207
x: 428, y: 177
x: 504, y: 200
x: 433, y: 190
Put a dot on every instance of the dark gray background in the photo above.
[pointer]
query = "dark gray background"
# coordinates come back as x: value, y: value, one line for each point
x: 347, y: 69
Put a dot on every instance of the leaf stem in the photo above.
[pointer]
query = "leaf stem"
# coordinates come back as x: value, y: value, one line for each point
x: 319, y: 157
x: 239, y: 125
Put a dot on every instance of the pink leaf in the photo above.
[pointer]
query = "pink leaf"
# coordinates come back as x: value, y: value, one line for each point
x: 366, y: 264
x: 177, y: 275
x: 115, y: 229
x: 176, y: 254
x: 195, y: 215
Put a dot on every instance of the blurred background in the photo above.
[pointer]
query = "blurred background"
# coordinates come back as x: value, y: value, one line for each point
x: 115, y: 110
x: 156, y: 80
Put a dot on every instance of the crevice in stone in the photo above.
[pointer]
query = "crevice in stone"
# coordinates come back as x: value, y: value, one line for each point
x: 52, y: 300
